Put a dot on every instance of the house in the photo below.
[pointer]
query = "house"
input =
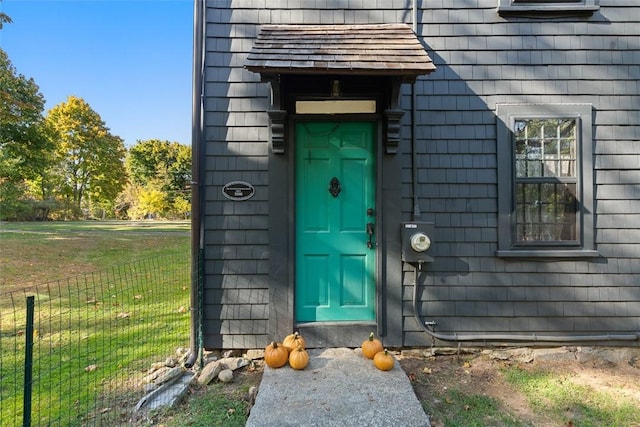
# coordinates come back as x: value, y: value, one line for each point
x: 434, y: 171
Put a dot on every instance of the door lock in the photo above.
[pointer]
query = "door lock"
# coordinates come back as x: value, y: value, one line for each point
x: 370, y: 227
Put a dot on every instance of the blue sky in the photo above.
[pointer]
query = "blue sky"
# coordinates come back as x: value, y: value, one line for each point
x: 130, y: 60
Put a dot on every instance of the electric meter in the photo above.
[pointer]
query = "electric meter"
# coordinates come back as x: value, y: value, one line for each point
x: 417, y: 242
x: 420, y: 242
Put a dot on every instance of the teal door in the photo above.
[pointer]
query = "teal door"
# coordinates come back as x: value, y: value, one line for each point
x: 335, y: 221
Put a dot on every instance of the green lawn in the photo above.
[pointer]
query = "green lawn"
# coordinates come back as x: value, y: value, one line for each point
x: 39, y: 252
x: 111, y: 298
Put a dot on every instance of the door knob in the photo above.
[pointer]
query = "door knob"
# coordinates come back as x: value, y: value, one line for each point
x: 370, y: 228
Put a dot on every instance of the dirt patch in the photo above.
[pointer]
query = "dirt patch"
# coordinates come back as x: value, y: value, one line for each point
x: 439, y: 381
x: 213, y: 404
x: 473, y: 387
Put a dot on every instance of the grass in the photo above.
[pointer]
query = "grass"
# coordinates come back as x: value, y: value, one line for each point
x: 110, y: 299
x: 480, y: 390
x: 211, y: 406
x: 572, y: 403
x: 39, y: 252
x: 110, y: 310
x: 456, y: 408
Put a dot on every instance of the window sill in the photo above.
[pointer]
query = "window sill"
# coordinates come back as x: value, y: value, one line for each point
x: 548, y: 254
x: 547, y: 10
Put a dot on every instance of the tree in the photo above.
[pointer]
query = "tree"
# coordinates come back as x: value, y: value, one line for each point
x: 152, y: 202
x: 21, y: 134
x: 182, y: 207
x: 169, y: 162
x: 89, y: 160
x: 25, y: 151
x: 161, y: 166
x: 4, y: 19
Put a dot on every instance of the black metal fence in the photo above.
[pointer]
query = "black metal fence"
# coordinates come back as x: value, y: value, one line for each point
x: 80, y: 360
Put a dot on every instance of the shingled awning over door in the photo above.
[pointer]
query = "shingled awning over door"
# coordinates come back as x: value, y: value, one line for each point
x: 380, y: 49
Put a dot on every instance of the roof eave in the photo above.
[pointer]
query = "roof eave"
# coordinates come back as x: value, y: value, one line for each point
x: 406, y: 73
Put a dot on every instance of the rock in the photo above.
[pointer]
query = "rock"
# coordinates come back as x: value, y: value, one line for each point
x: 232, y: 353
x: 561, y: 354
x: 524, y: 355
x: 251, y: 394
x: 254, y: 354
x: 168, y: 375
x: 234, y: 363
x: 148, y: 388
x: 209, y: 372
x: 251, y: 398
x: 184, y: 356
x: 167, y: 395
x: 339, y: 353
x: 208, y: 358
x: 414, y: 352
x: 450, y: 351
x: 170, y: 362
x: 225, y: 376
x: 155, y: 366
x: 614, y: 356
x: 155, y: 374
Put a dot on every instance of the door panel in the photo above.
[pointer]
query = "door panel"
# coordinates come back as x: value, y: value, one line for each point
x: 335, y: 270
x: 317, y: 294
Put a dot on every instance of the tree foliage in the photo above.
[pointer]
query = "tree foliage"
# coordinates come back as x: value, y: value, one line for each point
x: 152, y: 202
x: 88, y: 158
x: 156, y: 166
x: 67, y: 163
x: 23, y: 145
x: 24, y: 149
x: 4, y: 19
x: 168, y: 162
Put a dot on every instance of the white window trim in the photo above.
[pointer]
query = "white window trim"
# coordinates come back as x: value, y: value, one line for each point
x: 554, y: 8
x: 506, y: 114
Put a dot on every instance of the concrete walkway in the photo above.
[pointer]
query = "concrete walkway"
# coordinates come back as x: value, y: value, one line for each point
x: 338, y: 388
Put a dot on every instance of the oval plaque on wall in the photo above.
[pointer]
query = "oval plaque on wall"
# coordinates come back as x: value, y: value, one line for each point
x: 238, y: 190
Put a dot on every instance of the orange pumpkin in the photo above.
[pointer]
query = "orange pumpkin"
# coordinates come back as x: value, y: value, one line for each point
x: 299, y: 358
x: 383, y: 360
x: 371, y: 346
x: 275, y: 355
x: 292, y: 341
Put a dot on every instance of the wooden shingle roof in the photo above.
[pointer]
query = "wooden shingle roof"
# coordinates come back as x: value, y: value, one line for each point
x: 376, y: 49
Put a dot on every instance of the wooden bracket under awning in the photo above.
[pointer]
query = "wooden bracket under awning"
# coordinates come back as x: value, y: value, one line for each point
x: 387, y: 50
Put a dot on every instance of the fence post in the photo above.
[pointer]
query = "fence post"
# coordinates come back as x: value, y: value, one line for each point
x: 28, y: 363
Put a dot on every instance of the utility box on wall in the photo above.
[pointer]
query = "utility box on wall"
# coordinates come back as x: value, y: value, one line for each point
x: 417, y: 240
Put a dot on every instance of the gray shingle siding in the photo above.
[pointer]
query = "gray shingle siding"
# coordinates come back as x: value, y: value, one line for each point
x: 490, y: 59
x: 482, y: 59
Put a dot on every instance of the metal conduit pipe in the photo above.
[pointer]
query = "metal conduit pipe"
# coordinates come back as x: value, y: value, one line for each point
x: 508, y: 337
x: 455, y: 337
x: 196, y: 205
x: 414, y: 166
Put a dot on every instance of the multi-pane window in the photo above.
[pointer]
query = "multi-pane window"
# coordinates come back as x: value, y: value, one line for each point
x: 545, y: 180
x: 537, y: 7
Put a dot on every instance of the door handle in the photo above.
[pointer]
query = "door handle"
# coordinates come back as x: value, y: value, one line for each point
x: 370, y: 228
